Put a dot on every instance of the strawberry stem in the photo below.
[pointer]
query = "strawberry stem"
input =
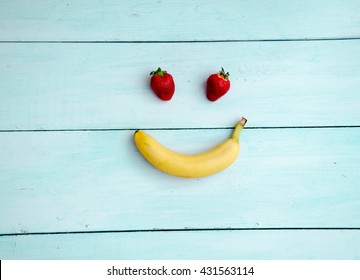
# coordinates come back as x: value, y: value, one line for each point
x: 225, y: 75
x: 158, y: 72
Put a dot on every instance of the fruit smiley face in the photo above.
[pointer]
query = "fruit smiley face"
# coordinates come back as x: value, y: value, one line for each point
x: 190, y: 165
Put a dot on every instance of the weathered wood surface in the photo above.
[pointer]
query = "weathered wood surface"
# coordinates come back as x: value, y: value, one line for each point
x: 81, y: 181
x: 203, y: 245
x: 96, y: 86
x: 74, y: 86
x: 177, y: 21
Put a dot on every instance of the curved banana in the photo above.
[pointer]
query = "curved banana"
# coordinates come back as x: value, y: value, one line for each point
x: 190, y: 165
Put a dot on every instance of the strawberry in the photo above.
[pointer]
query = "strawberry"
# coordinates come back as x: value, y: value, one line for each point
x: 217, y: 85
x: 162, y: 83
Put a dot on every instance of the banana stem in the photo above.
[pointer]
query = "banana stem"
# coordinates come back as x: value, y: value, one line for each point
x: 238, y: 128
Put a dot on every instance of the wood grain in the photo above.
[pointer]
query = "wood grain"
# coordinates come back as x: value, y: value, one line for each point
x: 84, y: 181
x: 97, y: 86
x: 177, y: 20
x: 74, y: 85
x: 201, y: 245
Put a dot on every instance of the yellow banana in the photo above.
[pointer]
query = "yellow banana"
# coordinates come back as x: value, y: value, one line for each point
x: 190, y: 165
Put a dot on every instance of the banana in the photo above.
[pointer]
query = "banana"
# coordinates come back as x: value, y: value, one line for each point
x: 190, y: 165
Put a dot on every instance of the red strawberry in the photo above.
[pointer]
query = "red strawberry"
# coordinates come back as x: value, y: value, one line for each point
x: 217, y: 85
x: 162, y: 83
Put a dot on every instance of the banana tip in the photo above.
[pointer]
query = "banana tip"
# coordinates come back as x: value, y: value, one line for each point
x: 243, y: 121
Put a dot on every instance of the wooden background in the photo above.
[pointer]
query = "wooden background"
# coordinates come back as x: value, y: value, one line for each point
x: 74, y: 86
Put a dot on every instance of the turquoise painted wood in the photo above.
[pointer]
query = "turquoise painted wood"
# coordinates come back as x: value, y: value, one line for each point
x: 177, y: 20
x: 85, y: 181
x: 72, y: 86
x: 201, y: 245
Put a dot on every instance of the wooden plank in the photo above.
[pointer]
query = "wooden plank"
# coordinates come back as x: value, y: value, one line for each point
x: 72, y: 86
x: 84, y: 181
x: 177, y: 20
x: 203, y: 245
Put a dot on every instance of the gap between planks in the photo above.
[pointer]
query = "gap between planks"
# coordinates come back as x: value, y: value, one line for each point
x: 172, y: 41
x: 177, y: 128
x: 180, y: 230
